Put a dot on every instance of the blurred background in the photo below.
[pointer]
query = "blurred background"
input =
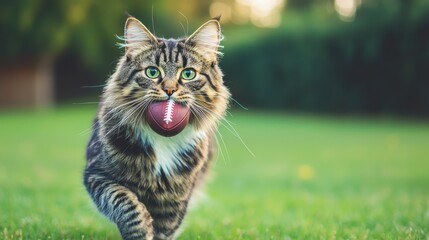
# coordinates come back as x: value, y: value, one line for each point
x: 333, y: 144
x: 334, y: 56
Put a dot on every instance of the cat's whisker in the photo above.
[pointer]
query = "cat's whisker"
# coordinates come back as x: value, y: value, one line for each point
x: 217, y: 133
x: 183, y: 27
x: 187, y: 24
x: 135, y: 115
x: 229, y: 126
x: 131, y: 112
x: 88, y: 130
x: 122, y: 116
x: 201, y: 114
x: 239, y: 104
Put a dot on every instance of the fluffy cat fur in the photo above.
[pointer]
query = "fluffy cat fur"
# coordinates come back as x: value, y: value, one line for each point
x: 140, y: 180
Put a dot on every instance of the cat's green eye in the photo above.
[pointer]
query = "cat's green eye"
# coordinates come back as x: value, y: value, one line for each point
x: 152, y: 72
x: 188, y: 74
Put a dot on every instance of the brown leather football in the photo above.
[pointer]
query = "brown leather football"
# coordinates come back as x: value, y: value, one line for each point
x: 167, y: 118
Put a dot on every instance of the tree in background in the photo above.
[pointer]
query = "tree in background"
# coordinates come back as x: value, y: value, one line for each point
x: 325, y: 55
x: 36, y: 33
x: 72, y: 36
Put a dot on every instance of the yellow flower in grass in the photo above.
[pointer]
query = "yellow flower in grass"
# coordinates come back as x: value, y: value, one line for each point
x: 305, y: 172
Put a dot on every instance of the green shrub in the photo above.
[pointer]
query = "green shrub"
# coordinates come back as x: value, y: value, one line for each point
x: 377, y: 64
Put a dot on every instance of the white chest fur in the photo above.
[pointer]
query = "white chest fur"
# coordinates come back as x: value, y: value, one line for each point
x: 167, y: 149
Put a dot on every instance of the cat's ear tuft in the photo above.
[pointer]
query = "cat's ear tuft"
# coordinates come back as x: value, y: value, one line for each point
x: 136, y: 35
x: 206, y: 39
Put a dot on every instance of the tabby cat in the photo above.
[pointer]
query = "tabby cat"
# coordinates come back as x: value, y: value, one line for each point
x: 140, y: 180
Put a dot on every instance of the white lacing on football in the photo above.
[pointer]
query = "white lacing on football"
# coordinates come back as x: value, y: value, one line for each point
x: 168, y: 117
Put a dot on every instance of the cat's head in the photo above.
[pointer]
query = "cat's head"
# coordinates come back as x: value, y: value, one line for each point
x: 155, y: 69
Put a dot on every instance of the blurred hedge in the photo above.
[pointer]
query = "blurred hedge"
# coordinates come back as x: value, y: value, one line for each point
x: 377, y: 64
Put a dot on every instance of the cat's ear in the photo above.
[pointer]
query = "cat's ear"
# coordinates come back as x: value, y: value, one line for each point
x: 206, y: 40
x: 136, y: 35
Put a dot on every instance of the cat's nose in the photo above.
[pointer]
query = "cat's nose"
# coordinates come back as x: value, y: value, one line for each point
x: 169, y: 87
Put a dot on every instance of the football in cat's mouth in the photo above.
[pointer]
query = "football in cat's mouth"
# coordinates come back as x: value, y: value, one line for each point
x: 167, y: 118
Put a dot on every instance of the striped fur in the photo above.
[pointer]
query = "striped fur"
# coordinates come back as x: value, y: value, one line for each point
x: 142, y: 181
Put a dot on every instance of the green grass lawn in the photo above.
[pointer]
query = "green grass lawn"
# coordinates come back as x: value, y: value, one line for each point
x: 311, y: 178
